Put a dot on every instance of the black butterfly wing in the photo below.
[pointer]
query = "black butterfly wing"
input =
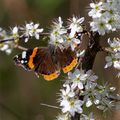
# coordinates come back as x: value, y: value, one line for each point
x: 67, y: 59
x: 45, y: 64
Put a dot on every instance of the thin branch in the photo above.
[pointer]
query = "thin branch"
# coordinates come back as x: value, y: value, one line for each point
x: 22, y: 37
x: 21, y: 47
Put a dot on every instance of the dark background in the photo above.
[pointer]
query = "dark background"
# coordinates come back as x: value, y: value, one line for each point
x: 21, y: 92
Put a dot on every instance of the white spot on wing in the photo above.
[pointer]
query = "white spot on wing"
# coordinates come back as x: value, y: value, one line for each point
x: 24, y: 54
x: 22, y: 61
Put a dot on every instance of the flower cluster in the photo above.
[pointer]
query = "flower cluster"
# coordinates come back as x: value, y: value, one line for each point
x: 59, y: 35
x: 17, y: 33
x: 82, y: 90
x: 31, y: 30
x: 113, y: 57
x: 5, y: 46
x: 69, y: 102
x: 105, y: 16
x: 67, y: 36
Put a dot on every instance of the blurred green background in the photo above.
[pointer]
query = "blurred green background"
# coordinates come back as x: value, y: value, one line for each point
x: 21, y: 92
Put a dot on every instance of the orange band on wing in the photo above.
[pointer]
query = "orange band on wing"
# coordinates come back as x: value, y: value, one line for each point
x: 51, y: 76
x: 30, y: 63
x: 70, y: 66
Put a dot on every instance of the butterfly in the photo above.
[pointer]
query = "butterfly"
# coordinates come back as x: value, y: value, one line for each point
x: 47, y: 61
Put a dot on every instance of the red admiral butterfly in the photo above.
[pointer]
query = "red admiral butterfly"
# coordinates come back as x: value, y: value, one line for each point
x: 47, y: 61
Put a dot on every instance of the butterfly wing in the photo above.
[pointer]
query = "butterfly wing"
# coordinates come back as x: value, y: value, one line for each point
x: 67, y: 59
x: 40, y: 60
x: 46, y: 65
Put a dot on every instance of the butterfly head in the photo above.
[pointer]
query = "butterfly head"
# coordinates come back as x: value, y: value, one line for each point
x: 21, y: 60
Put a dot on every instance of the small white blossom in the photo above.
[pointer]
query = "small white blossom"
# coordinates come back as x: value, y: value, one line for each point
x: 112, y: 89
x: 77, y: 78
x: 6, y: 48
x: 75, y: 27
x: 81, y: 53
x: 57, y: 33
x: 91, y: 76
x: 96, y: 10
x: 88, y: 103
x: 96, y: 101
x: 15, y: 32
x: 113, y: 57
x: 68, y: 92
x: 32, y: 29
x: 105, y: 16
x: 72, y: 106
x: 109, y: 61
x: 117, y: 64
x: 99, y: 25
x: 114, y: 44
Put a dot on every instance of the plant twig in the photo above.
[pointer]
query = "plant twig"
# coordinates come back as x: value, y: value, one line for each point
x: 88, y: 60
x: 22, y: 37
x: 21, y: 47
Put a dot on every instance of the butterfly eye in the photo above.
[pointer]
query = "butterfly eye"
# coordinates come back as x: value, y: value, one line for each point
x: 16, y: 60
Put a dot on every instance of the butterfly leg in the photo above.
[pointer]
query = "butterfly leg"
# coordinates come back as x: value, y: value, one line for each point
x: 37, y: 74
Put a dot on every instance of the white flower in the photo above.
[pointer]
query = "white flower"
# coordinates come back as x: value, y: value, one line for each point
x: 96, y: 101
x: 114, y: 44
x: 72, y: 42
x: 111, y: 21
x: 106, y: 16
x: 109, y: 61
x: 112, y: 89
x: 96, y: 10
x: 72, y: 106
x: 57, y: 33
x: 91, y: 81
x: 91, y: 76
x: 75, y: 28
x: 36, y: 31
x: 68, y: 92
x: 88, y: 102
x: 117, y: 64
x: 75, y: 25
x: 8, y: 51
x: 112, y: 5
x: 81, y: 53
x: 15, y: 32
x: 77, y: 78
x: 114, y: 54
x: 32, y: 29
x: 99, y: 25
x: 6, y: 48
